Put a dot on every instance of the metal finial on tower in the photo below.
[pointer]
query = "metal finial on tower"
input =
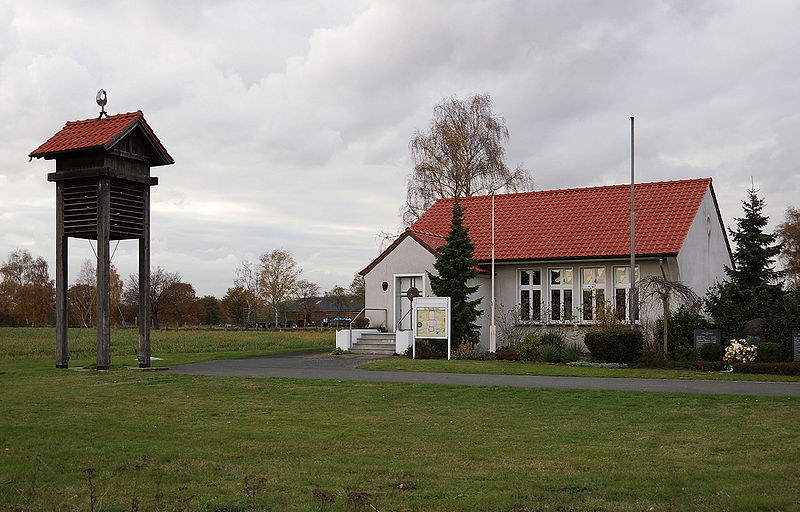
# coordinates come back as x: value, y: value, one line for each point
x: 101, y: 100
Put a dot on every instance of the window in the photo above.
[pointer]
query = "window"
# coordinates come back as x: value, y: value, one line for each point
x: 561, y: 295
x: 593, y: 284
x: 530, y: 295
x: 622, y: 290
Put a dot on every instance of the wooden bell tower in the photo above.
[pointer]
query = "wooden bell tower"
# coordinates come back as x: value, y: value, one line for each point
x: 103, y: 193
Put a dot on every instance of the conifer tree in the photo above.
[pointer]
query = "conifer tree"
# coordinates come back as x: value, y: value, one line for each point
x: 456, y: 265
x: 753, y: 288
x: 755, y: 250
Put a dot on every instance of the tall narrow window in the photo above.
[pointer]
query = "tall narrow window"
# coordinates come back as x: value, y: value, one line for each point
x: 593, y: 289
x: 622, y: 291
x: 530, y: 295
x: 561, y: 295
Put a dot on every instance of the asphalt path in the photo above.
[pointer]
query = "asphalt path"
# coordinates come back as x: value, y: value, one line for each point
x: 316, y: 365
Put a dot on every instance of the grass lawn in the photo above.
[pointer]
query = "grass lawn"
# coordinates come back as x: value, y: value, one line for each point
x: 402, y: 364
x: 174, y: 347
x: 155, y: 441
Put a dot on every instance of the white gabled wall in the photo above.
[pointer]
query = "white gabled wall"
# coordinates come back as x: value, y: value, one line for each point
x: 704, y: 251
x: 408, y: 257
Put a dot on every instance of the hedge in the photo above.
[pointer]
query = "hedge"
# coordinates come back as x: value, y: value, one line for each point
x: 619, y: 345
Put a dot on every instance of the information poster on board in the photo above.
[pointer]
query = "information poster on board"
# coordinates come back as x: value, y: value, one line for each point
x: 431, y: 323
x: 432, y: 319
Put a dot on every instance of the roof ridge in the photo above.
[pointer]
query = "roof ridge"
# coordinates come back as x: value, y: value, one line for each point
x: 421, y: 232
x: 575, y: 189
x: 138, y: 113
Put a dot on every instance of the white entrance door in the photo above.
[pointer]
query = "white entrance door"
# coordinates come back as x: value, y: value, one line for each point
x: 402, y: 304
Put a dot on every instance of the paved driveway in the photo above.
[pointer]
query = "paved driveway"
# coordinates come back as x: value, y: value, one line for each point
x: 311, y: 365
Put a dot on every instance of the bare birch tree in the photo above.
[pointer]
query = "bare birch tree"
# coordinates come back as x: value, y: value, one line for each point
x: 278, y: 276
x: 460, y: 155
x: 248, y: 278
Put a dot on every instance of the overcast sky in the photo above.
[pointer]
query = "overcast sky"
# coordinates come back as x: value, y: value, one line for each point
x: 289, y: 122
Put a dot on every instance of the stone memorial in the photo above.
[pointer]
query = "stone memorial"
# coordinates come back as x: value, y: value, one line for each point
x: 796, y: 345
x: 754, y: 331
x: 703, y: 336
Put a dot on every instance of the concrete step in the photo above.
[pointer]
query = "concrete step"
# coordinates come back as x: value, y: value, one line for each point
x: 382, y: 351
x: 374, y: 343
x: 378, y: 343
x: 388, y: 337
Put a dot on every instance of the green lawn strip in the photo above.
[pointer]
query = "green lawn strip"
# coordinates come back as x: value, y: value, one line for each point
x: 405, y: 364
x: 410, y: 447
x: 175, y: 347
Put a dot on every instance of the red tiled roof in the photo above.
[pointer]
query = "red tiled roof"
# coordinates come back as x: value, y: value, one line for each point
x: 575, y: 223
x: 571, y: 223
x: 430, y: 241
x: 590, y: 222
x: 99, y: 133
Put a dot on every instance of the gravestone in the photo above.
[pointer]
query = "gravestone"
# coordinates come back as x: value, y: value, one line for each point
x: 754, y: 331
x: 796, y: 344
x: 703, y: 336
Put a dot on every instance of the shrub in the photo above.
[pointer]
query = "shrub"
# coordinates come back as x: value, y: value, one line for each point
x: 652, y: 357
x: 572, y: 352
x: 680, y: 330
x: 554, y: 338
x: 429, y: 349
x: 338, y: 351
x: 708, y: 352
x: 463, y: 349
x: 361, y: 322
x: 683, y: 353
x: 769, y: 352
x: 619, y: 345
x: 771, y: 368
x: 506, y: 355
x: 550, y: 353
x: 528, y: 349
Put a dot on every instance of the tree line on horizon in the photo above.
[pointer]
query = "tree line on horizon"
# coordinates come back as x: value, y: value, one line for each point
x: 27, y: 294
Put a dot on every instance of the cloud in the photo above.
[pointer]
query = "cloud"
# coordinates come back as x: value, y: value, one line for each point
x: 290, y: 121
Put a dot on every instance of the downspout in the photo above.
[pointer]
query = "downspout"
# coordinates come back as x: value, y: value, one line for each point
x: 665, y: 301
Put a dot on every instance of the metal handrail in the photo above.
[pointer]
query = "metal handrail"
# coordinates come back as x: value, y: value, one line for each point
x: 385, y: 321
x: 397, y: 325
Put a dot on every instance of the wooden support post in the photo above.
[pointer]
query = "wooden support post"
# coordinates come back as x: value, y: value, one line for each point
x: 62, y: 319
x: 144, y: 284
x: 103, y: 274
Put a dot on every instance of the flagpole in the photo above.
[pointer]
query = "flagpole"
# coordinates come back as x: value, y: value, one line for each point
x: 632, y: 278
x: 492, y: 332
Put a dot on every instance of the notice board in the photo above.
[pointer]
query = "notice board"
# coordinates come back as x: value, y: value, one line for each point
x: 432, y: 319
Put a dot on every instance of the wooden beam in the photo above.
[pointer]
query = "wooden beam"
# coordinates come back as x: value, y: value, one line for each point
x: 144, y: 284
x: 101, y: 172
x: 62, y: 318
x: 103, y: 275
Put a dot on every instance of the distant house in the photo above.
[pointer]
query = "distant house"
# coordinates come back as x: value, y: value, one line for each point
x: 559, y: 254
x: 321, y: 312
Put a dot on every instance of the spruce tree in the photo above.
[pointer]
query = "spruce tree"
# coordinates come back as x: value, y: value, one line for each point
x: 456, y: 265
x: 753, y: 288
x: 755, y: 249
